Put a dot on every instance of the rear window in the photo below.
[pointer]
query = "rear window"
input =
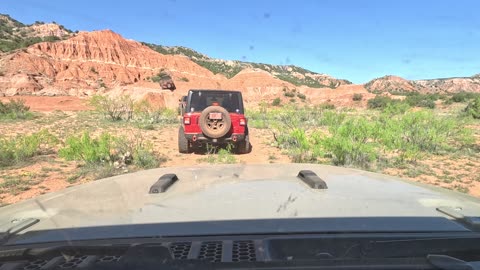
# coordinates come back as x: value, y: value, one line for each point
x: 231, y: 101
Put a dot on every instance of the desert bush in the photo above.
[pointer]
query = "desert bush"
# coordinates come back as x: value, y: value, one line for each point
x: 301, y: 96
x: 420, y: 100
x: 325, y: 106
x: 125, y: 108
x: 184, y: 79
x: 447, y: 101
x: 110, y: 150
x: 380, y: 102
x: 414, y: 134
x: 15, y: 109
x: 473, y: 109
x: 289, y: 94
x: 218, y: 155
x: 88, y: 149
x: 395, y: 108
x: 351, y: 140
x: 276, y: 102
x: 352, y: 143
x: 24, y: 147
x: 357, y: 97
x: 146, y: 112
x: 162, y: 75
x: 113, y: 108
x: 464, y: 96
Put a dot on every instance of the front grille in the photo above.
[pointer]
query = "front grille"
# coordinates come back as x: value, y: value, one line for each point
x: 180, y: 250
x: 109, y: 258
x: 35, y: 265
x: 211, y: 251
x: 243, y: 251
x: 73, y: 262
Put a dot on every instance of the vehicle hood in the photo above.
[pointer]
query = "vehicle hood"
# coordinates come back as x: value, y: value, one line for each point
x: 240, y: 199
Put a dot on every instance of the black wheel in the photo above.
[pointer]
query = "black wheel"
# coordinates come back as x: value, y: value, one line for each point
x: 244, y: 147
x: 218, y: 126
x: 183, y: 144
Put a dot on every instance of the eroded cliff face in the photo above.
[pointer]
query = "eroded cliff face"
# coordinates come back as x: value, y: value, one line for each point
x: 395, y: 84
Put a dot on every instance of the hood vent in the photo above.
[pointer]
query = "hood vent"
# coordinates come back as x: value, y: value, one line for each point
x: 73, y: 262
x: 109, y: 258
x: 180, y: 250
x: 243, y: 251
x: 211, y: 251
x: 163, y: 183
x: 35, y: 265
x: 311, y: 179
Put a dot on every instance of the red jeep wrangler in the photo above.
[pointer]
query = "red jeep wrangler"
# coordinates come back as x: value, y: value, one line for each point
x: 214, y: 117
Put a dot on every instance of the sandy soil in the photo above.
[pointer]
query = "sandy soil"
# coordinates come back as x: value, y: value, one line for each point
x: 47, y: 104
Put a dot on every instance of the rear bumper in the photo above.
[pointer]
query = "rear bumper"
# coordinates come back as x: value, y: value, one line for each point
x: 200, y: 138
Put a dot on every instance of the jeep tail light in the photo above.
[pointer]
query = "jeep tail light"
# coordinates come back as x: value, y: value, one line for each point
x: 243, y: 122
x: 186, y: 120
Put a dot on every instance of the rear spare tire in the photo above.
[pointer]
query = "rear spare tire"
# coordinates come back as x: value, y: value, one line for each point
x: 215, y: 127
x: 183, y: 144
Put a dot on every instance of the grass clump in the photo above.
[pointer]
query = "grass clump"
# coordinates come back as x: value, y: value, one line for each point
x: 301, y: 96
x: 23, y: 147
x: 350, y: 140
x: 124, y: 108
x: 357, y: 97
x: 218, y: 155
x: 276, y: 102
x: 464, y: 96
x: 15, y: 109
x: 420, y: 100
x: 473, y: 109
x: 109, y: 150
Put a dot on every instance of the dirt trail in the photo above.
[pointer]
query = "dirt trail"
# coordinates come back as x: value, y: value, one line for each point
x: 262, y: 151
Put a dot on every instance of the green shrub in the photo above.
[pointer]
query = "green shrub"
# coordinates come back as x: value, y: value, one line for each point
x: 218, y: 155
x: 464, y: 96
x: 416, y: 133
x: 301, y: 96
x: 307, y: 81
x: 23, y: 147
x: 357, y: 97
x: 108, y: 150
x: 473, y: 109
x: 359, y: 141
x: 184, y: 79
x: 146, y: 112
x: 326, y: 106
x: 289, y: 94
x: 88, y: 149
x: 447, y: 102
x: 114, y: 108
x: 420, y: 100
x: 162, y: 75
x: 15, y: 109
x: 396, y: 108
x: 352, y: 143
x: 276, y: 102
x: 380, y: 102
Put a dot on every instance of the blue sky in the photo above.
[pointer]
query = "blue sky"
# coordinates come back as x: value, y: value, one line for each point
x: 356, y: 40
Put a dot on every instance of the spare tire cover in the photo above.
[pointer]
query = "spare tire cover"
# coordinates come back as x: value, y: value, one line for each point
x: 218, y: 126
